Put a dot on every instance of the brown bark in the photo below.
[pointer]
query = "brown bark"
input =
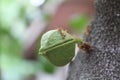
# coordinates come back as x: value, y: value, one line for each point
x: 103, y: 62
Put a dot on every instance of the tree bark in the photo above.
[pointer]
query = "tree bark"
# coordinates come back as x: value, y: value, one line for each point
x: 103, y: 62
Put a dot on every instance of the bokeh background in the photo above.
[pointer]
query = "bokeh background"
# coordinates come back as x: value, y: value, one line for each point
x: 22, y: 22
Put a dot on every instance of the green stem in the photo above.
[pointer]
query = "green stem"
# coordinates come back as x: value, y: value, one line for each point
x: 79, y: 41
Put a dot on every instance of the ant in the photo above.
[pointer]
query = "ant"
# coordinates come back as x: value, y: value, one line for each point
x: 84, y: 47
x: 62, y: 33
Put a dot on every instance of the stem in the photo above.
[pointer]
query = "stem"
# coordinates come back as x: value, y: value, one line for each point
x: 84, y: 46
x: 79, y: 41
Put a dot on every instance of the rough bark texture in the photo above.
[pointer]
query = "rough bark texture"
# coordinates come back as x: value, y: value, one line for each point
x: 103, y: 62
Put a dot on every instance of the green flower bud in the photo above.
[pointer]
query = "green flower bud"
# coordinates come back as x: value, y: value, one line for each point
x: 58, y: 47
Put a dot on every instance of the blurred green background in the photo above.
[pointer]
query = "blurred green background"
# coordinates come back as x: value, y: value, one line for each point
x: 20, y: 22
x: 16, y: 16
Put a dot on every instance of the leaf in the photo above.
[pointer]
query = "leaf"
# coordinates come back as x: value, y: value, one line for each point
x: 77, y: 23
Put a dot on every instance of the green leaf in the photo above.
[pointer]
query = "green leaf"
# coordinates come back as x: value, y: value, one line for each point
x: 77, y: 23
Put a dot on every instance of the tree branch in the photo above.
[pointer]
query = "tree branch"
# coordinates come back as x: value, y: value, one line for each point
x: 103, y: 62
